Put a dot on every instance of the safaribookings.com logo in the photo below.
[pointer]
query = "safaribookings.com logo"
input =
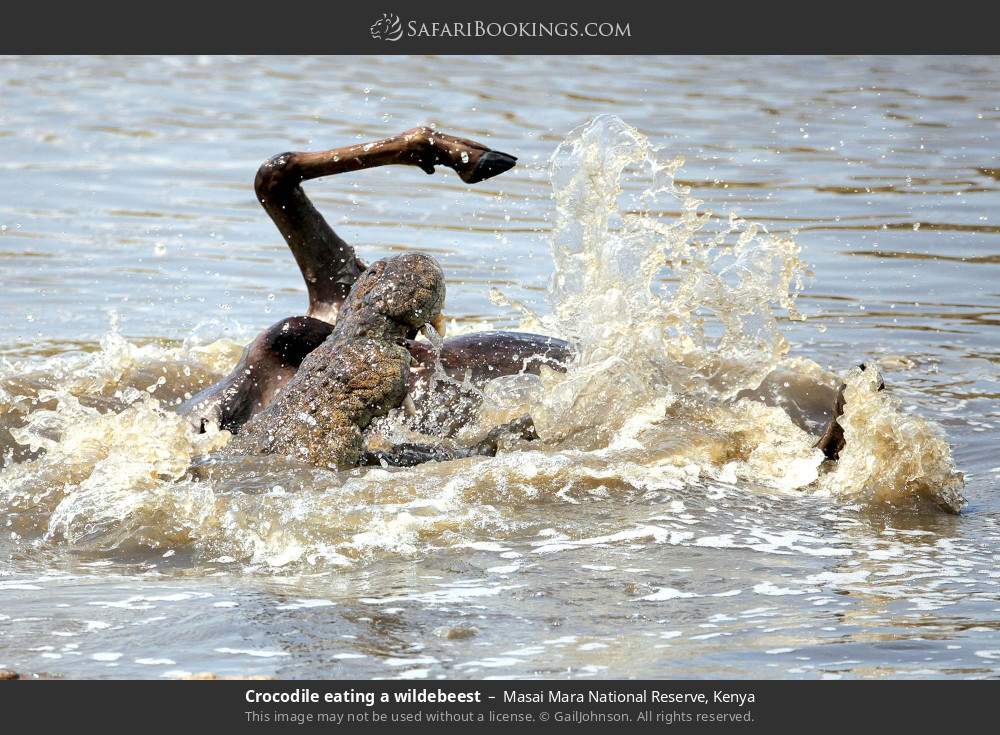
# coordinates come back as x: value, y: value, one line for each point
x: 387, y: 28
x: 390, y: 28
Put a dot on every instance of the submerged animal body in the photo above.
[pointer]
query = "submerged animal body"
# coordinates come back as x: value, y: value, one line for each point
x: 358, y: 373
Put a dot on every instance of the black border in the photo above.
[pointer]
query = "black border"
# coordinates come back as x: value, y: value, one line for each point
x: 777, y: 706
x: 656, y: 26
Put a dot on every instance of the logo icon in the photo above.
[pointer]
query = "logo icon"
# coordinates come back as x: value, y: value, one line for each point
x: 387, y: 28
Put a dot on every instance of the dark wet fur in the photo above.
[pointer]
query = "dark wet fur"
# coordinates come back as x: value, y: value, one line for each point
x: 265, y: 367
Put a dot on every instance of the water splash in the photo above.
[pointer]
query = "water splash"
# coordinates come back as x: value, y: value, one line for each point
x: 693, y: 302
x: 681, y: 358
x: 891, y: 456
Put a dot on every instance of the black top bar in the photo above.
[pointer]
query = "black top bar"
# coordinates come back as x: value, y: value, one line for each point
x: 511, y: 27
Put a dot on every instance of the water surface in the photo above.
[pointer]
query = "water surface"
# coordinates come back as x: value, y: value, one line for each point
x: 659, y: 531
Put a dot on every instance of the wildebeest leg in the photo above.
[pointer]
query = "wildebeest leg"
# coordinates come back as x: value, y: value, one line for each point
x: 328, y: 264
x: 832, y: 442
x: 266, y: 366
x: 409, y: 455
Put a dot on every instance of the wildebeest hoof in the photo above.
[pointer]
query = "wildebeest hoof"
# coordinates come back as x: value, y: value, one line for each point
x: 492, y: 163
